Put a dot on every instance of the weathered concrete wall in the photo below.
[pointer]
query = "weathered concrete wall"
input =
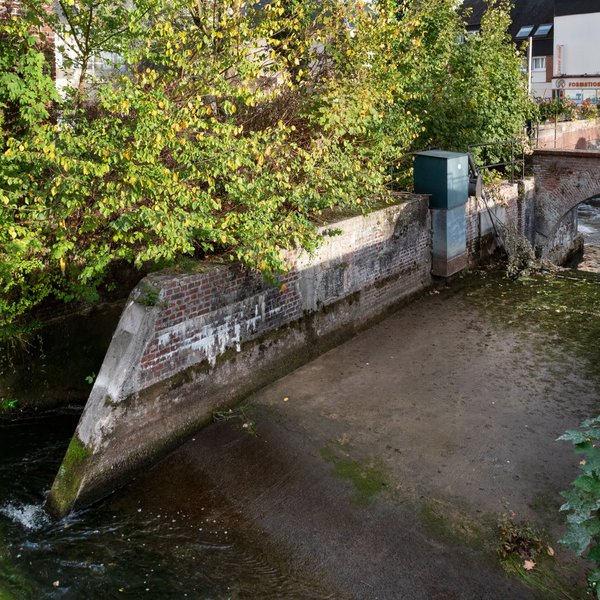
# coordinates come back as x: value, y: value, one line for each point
x: 569, y: 135
x: 563, y: 180
x: 504, y: 204
x: 189, y: 344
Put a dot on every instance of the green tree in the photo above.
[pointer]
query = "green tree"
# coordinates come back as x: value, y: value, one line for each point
x: 208, y: 141
x: 229, y: 128
x: 26, y: 88
x: 475, y: 89
x: 26, y: 95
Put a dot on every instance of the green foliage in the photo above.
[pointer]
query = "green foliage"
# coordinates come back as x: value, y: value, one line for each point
x: 583, y: 499
x: 476, y: 91
x: 223, y: 128
x: 564, y: 109
x: 521, y: 541
x: 557, y: 109
x: 149, y: 297
x: 8, y: 405
x: 26, y: 88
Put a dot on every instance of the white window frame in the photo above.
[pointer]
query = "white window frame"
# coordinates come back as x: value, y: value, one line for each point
x: 538, y: 63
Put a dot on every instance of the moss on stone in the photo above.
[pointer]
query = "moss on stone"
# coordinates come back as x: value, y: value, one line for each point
x: 68, y: 480
x: 449, y: 523
x: 368, y: 476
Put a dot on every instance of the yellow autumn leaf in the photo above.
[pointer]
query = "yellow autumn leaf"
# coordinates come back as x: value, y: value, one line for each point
x: 63, y: 264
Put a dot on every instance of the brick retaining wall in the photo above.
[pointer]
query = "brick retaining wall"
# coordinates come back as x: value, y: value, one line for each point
x: 188, y: 344
x: 568, y: 135
x: 564, y: 179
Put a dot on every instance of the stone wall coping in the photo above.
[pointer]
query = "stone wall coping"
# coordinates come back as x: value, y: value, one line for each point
x: 570, y: 153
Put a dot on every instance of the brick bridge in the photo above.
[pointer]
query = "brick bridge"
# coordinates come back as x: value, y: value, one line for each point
x: 563, y: 180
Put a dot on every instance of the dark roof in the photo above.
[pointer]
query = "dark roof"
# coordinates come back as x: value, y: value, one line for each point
x: 576, y: 7
x: 524, y: 12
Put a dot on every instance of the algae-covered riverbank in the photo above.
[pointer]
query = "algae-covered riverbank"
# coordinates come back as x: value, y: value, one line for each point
x: 380, y: 470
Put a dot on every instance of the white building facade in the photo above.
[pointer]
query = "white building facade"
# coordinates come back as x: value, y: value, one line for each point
x: 576, y: 56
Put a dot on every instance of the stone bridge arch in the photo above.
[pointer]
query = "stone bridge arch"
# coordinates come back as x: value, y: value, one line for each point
x: 563, y: 180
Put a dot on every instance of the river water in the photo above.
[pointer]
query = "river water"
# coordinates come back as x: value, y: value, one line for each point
x: 141, y: 543
x: 588, y: 224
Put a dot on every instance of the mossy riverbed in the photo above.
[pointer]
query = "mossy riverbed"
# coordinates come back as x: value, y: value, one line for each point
x: 562, y: 307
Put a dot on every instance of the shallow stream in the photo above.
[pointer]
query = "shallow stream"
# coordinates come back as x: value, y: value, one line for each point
x: 135, y: 545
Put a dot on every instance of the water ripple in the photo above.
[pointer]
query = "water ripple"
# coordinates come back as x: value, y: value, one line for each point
x: 29, y: 516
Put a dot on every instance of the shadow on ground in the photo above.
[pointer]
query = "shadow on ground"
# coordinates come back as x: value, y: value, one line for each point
x: 382, y: 468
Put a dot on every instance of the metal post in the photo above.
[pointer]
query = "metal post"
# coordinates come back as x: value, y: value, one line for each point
x: 529, y: 61
x: 512, y: 161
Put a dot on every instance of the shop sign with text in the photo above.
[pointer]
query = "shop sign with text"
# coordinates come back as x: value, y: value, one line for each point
x: 571, y: 83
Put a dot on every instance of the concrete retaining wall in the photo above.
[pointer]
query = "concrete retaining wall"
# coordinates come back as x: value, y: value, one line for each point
x: 505, y: 204
x: 189, y: 344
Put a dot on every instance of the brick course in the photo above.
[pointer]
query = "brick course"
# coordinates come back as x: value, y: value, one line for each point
x: 201, y: 315
x: 563, y: 180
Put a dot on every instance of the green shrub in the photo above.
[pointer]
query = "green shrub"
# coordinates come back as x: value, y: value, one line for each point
x: 583, y: 499
x: 227, y: 129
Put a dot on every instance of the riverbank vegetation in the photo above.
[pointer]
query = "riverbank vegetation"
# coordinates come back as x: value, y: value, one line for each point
x: 225, y: 128
x: 583, y: 498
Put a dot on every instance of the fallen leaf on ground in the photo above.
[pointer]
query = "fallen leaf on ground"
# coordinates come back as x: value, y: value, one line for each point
x: 550, y: 551
x: 528, y: 565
